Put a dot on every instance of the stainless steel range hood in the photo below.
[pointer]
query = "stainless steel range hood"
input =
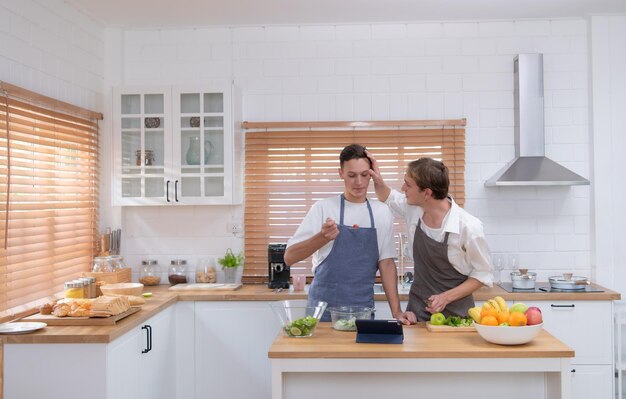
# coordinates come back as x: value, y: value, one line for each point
x: 530, y: 167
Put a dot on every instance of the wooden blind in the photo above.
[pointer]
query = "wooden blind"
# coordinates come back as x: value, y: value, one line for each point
x: 48, y: 195
x: 289, y: 166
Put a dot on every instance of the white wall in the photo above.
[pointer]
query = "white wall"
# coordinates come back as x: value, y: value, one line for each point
x: 51, y: 48
x: 394, y: 71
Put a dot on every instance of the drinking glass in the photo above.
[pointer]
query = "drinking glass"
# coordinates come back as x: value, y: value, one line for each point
x: 512, y: 262
x: 498, y: 265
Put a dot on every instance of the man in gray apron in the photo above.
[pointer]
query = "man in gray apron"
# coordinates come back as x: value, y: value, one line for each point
x: 448, y: 245
x: 347, y: 254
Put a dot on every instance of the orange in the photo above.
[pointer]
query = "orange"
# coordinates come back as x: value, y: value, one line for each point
x: 517, y: 319
x: 503, y: 317
x: 489, y: 320
x: 485, y: 311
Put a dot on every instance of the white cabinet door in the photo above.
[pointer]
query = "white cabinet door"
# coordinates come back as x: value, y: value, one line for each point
x: 585, y: 326
x: 124, y: 365
x: 231, y: 342
x: 176, y: 146
x: 592, y: 381
x: 157, y: 367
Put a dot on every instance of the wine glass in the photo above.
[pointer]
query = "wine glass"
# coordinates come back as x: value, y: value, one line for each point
x: 498, y: 265
x: 512, y: 261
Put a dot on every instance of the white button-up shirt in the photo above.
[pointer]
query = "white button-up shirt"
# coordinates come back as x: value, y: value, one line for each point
x: 468, y: 251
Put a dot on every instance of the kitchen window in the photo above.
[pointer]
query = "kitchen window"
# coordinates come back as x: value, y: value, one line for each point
x: 291, y: 165
x: 48, y: 196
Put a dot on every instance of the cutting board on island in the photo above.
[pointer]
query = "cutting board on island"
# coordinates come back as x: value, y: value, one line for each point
x: 444, y: 328
x: 205, y: 286
x: 53, y: 320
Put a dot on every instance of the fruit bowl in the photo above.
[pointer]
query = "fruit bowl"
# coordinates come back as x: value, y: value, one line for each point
x: 344, y: 317
x: 122, y: 289
x: 507, y: 335
x: 297, y: 318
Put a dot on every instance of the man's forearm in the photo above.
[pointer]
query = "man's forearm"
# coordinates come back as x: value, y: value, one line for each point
x: 302, y: 250
x: 389, y: 276
x: 382, y: 190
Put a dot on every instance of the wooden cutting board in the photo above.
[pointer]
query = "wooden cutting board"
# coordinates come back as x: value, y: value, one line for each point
x: 433, y: 328
x: 52, y: 320
x: 205, y: 286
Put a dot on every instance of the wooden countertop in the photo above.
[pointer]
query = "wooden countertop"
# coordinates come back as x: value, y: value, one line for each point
x: 162, y: 298
x: 418, y: 343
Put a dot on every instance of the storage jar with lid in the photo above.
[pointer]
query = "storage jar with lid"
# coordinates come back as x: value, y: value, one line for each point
x: 89, y: 287
x: 117, y: 262
x: 205, y: 271
x: 73, y: 289
x: 150, y: 273
x: 177, y: 273
x: 102, y: 264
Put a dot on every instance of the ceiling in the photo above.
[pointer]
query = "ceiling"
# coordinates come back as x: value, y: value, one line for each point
x: 192, y: 13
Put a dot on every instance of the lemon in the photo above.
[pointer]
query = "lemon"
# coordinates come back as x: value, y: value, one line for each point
x: 295, y: 331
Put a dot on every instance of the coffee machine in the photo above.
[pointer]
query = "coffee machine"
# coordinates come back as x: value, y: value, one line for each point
x: 278, y: 271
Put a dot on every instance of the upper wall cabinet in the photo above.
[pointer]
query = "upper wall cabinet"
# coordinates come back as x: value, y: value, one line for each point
x: 177, y: 146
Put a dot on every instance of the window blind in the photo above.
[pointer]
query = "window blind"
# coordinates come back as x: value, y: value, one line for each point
x: 289, y: 166
x: 48, y: 195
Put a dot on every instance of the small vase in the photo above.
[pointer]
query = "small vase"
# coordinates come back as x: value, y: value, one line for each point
x: 230, y: 275
x: 193, y: 152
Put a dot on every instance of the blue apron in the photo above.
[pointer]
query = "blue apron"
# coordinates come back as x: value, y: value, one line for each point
x: 346, y: 276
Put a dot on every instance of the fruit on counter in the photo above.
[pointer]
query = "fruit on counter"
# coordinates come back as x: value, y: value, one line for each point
x: 474, y: 313
x: 533, y: 316
x: 437, y: 319
x: 517, y: 319
x: 503, y: 317
x: 518, y: 307
x: 502, y: 303
x: 489, y: 321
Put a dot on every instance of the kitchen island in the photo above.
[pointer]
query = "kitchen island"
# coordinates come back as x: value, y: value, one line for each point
x: 457, y: 364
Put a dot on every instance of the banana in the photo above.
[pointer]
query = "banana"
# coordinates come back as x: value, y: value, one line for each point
x: 502, y: 304
x: 488, y: 305
x: 474, y: 313
x: 494, y: 304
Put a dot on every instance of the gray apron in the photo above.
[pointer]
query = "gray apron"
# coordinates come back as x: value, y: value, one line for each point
x: 434, y: 274
x: 346, y: 276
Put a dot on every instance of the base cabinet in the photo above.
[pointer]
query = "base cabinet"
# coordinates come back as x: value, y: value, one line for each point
x: 117, y: 370
x: 586, y: 327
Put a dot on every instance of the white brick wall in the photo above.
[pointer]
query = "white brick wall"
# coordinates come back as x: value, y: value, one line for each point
x: 391, y: 71
x: 50, y: 48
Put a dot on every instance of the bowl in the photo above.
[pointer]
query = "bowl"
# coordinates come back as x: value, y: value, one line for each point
x: 297, y: 318
x: 122, y: 289
x: 344, y: 317
x: 507, y: 335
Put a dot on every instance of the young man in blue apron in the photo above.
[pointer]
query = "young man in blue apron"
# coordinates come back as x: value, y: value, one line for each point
x: 350, y: 238
x: 450, y: 253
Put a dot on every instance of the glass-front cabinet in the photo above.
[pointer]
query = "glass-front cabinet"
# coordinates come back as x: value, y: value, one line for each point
x: 176, y: 146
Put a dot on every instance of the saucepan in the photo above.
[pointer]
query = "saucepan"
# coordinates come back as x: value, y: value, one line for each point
x: 523, y: 279
x: 568, y: 282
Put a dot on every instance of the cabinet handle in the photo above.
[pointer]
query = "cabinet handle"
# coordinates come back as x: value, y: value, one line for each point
x: 573, y: 370
x: 148, y: 329
x: 176, y: 190
x: 563, y: 306
x: 167, y: 191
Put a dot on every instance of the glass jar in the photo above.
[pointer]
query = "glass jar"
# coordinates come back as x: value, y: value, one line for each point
x: 177, y: 273
x: 205, y: 271
x: 117, y: 262
x: 73, y: 289
x: 150, y: 273
x: 89, y: 287
x: 102, y: 264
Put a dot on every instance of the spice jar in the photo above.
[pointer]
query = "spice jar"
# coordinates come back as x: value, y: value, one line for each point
x: 150, y: 273
x: 177, y: 273
x: 205, y: 271
x: 73, y: 289
x: 89, y: 287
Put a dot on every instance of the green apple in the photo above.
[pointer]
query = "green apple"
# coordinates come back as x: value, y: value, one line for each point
x: 518, y: 307
x: 437, y: 319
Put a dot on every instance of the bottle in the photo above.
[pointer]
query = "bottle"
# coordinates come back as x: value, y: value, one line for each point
x: 205, y: 271
x: 177, y: 273
x: 150, y: 273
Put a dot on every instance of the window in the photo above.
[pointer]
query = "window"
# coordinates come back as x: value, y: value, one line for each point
x: 48, y: 195
x: 289, y: 166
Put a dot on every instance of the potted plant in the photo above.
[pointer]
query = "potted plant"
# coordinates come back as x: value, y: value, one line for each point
x: 230, y: 262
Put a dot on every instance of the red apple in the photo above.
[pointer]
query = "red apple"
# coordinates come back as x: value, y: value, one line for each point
x: 533, y: 316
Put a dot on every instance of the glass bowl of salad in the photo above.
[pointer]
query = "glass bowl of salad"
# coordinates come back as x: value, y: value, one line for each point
x: 297, y: 318
x: 344, y: 318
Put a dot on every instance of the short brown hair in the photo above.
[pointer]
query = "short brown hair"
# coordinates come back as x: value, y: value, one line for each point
x: 429, y: 173
x: 353, y: 151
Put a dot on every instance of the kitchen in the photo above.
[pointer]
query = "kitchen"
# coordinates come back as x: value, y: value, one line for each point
x: 379, y: 67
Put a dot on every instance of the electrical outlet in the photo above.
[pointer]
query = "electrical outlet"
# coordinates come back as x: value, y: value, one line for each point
x: 235, y: 228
